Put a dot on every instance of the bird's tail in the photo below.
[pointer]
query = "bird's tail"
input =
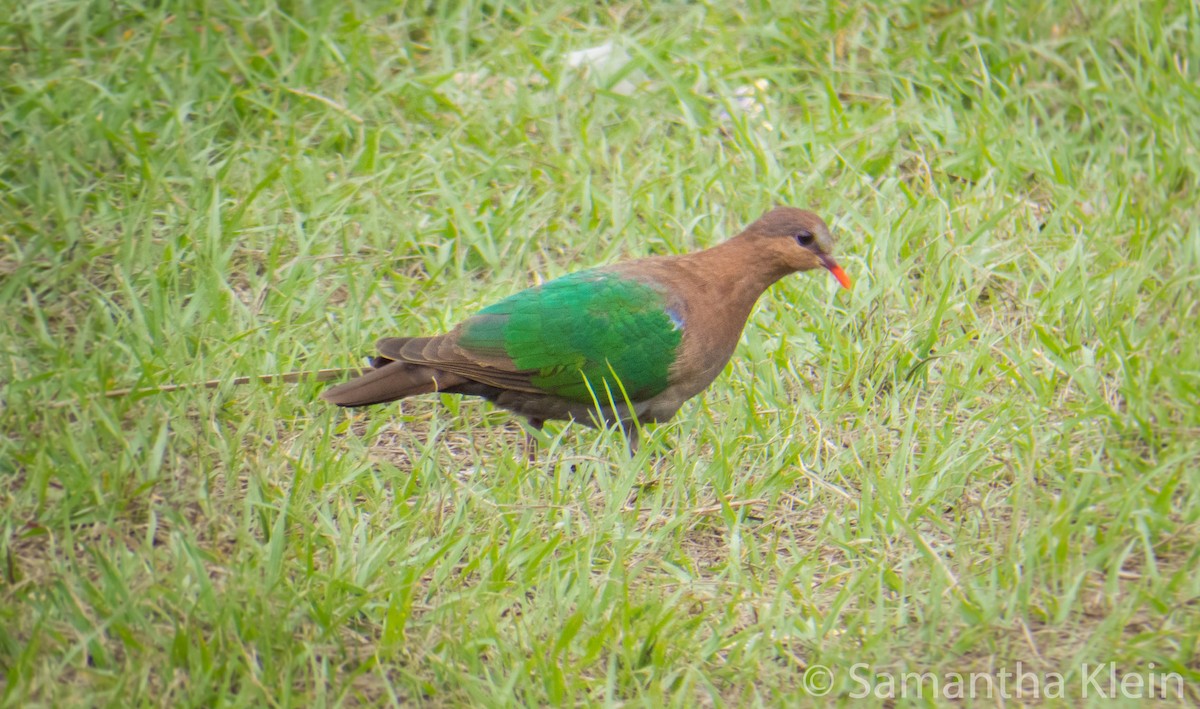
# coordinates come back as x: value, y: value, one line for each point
x: 391, y: 381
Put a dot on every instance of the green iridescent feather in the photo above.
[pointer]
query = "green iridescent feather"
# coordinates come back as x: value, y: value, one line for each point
x: 581, y: 329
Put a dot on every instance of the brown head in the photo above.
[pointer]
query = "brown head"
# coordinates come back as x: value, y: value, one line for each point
x: 794, y: 240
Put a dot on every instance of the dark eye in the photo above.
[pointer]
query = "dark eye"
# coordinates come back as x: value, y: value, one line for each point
x: 805, y: 238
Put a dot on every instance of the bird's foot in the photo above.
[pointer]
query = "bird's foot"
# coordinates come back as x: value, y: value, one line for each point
x: 531, y: 440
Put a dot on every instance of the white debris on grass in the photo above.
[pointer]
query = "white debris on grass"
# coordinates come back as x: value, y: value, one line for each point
x: 750, y: 101
x: 604, y: 61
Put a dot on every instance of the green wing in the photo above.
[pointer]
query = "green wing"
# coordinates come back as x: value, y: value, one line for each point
x: 587, y: 328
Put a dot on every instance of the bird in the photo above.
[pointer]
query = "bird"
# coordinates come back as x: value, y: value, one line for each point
x: 623, y: 344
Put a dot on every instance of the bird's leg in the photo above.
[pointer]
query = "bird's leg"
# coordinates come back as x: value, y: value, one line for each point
x: 630, y: 429
x: 531, y: 440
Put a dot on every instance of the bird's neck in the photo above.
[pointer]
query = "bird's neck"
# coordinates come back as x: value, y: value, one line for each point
x: 741, y: 270
x: 719, y: 287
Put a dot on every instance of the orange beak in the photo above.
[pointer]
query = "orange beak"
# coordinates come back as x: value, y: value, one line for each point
x: 836, y: 270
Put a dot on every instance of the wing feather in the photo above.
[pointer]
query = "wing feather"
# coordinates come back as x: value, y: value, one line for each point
x: 585, y: 332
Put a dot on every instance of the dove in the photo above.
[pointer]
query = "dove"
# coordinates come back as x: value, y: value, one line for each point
x: 622, y: 344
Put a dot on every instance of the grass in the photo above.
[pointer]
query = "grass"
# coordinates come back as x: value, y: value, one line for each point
x: 984, y: 457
